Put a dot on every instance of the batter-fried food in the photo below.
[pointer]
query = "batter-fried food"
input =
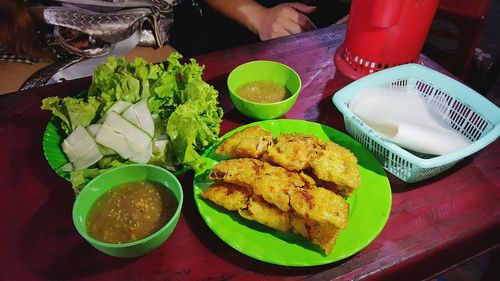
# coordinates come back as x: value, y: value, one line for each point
x: 296, y: 191
x: 252, y: 207
x: 338, y: 165
x: 229, y: 196
x: 329, y: 162
x: 285, y: 189
x: 320, y: 205
x: 294, y: 151
x: 323, y: 234
x: 250, y: 142
x: 262, y: 212
x: 270, y: 182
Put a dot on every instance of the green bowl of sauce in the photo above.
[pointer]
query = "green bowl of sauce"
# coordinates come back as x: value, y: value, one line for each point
x: 263, y: 89
x: 130, y: 210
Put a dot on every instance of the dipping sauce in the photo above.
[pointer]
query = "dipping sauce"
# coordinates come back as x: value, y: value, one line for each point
x: 130, y: 212
x: 263, y: 92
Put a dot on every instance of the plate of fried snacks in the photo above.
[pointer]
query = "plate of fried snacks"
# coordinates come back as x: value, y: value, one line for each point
x: 292, y: 192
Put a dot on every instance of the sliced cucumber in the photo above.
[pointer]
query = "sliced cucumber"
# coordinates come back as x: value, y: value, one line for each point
x: 119, y: 107
x: 144, y: 156
x: 123, y: 137
x: 139, y: 115
x: 81, y: 149
x: 77, y: 143
x: 93, y: 130
x: 92, y: 156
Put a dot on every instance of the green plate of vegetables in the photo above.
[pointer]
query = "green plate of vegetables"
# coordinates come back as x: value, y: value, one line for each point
x: 133, y: 112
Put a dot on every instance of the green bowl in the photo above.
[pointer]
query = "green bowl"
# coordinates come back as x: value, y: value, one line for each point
x: 264, y: 71
x: 118, y: 176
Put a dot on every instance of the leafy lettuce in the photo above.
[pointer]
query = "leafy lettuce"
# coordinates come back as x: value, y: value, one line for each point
x: 72, y: 112
x: 185, y: 109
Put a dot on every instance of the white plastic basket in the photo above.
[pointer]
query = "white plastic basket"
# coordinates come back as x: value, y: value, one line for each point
x: 462, y: 108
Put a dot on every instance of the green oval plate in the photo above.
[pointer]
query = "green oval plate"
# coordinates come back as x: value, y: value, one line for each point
x: 51, y: 144
x: 369, y: 207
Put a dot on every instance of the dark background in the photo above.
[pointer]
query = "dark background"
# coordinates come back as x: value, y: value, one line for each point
x: 199, y: 30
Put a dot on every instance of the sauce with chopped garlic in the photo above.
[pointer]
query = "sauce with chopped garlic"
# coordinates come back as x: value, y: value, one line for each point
x: 263, y: 92
x: 130, y: 212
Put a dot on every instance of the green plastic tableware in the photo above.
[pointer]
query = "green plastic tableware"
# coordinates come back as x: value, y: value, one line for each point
x: 264, y: 71
x: 51, y: 144
x: 369, y: 207
x: 118, y: 176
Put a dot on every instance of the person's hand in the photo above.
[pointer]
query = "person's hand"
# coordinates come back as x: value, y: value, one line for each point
x: 284, y: 19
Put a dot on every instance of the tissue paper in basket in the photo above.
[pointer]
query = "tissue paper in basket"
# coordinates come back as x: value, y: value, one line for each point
x: 463, y: 109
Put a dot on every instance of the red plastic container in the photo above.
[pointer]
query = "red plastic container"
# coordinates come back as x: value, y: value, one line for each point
x: 384, y: 33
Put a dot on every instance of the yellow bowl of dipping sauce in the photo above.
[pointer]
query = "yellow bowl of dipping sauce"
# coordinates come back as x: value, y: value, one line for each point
x: 263, y: 89
x: 130, y: 210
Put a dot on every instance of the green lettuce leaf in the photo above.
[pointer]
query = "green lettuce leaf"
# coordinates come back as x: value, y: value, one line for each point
x: 195, y: 124
x: 81, y: 177
x: 118, y: 80
x: 185, y: 109
x: 164, y: 157
x: 72, y: 111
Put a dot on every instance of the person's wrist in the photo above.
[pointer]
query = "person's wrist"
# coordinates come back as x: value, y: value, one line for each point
x: 256, y: 18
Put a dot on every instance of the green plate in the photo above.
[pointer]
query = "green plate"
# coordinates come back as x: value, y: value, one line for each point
x: 369, y: 207
x: 51, y: 144
x: 52, y: 139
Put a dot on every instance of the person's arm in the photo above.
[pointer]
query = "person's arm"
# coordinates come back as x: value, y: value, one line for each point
x: 268, y: 23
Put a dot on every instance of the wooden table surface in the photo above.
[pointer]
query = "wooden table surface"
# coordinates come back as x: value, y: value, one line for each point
x: 433, y: 224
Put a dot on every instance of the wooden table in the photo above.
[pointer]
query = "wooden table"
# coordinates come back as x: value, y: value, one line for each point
x: 433, y: 224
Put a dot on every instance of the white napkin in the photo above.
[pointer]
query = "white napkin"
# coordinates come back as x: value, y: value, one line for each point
x: 402, y: 117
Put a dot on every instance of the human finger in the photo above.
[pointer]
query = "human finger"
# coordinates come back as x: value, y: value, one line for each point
x: 301, y: 7
x: 275, y: 30
x: 305, y: 22
x: 300, y: 19
x: 284, y: 31
x: 292, y: 27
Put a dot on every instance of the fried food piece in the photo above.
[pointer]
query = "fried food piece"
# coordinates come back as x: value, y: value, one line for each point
x: 295, y: 151
x: 340, y: 190
x: 236, y: 198
x: 329, y: 162
x: 320, y: 205
x: 266, y: 214
x: 338, y: 165
x: 286, y: 190
x: 251, y: 142
x: 229, y: 196
x: 270, y: 182
x: 321, y: 234
x: 309, y: 181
